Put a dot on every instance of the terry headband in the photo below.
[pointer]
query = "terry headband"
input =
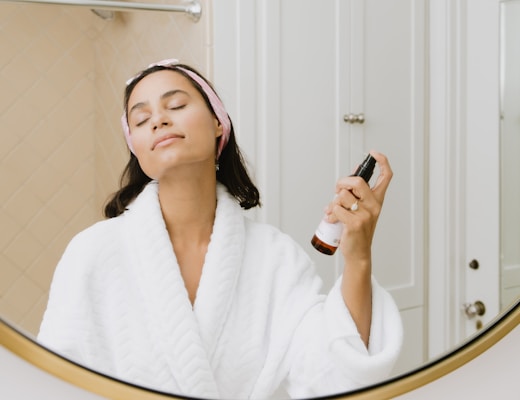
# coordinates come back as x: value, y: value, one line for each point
x: 214, y: 100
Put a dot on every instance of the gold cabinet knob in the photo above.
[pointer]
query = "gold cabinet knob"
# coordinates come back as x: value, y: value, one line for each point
x: 354, y: 118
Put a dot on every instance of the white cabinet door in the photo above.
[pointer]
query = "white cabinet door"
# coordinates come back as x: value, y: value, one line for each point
x: 464, y: 173
x: 482, y: 161
x: 312, y: 64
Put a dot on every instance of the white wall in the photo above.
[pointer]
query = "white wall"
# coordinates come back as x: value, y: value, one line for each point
x: 492, y: 375
x: 20, y: 380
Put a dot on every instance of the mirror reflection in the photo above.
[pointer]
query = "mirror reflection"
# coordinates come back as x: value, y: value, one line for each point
x: 69, y: 87
x: 179, y: 292
x: 509, y: 148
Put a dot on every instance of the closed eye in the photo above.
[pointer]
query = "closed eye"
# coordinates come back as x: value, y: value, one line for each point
x: 177, y: 107
x: 140, y: 123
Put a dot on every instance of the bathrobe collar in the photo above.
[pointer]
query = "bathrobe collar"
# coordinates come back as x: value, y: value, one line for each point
x: 186, y: 336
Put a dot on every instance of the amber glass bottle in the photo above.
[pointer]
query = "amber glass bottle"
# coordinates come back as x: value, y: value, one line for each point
x: 327, y: 235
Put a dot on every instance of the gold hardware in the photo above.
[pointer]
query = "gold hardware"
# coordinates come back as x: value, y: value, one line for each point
x: 354, y: 118
x: 472, y: 310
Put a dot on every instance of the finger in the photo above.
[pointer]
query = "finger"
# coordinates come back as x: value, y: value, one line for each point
x: 355, y: 185
x: 347, y: 183
x: 385, y: 175
x: 345, y: 199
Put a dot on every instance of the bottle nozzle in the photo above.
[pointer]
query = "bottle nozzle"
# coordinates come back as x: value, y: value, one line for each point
x: 366, y: 168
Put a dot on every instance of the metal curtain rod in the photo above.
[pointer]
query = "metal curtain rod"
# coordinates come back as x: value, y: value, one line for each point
x: 192, y: 8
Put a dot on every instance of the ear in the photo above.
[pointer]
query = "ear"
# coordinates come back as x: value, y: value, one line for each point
x: 218, y: 128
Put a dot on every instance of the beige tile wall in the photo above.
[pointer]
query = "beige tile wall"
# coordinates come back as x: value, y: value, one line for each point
x: 62, y: 73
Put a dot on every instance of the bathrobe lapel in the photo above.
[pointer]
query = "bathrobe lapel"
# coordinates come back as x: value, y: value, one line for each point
x: 221, y: 270
x: 185, y: 336
x: 172, y: 325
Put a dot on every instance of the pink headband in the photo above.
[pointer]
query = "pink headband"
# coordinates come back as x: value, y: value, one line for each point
x: 214, y: 100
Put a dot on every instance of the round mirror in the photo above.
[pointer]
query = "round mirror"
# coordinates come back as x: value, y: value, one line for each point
x: 62, y: 79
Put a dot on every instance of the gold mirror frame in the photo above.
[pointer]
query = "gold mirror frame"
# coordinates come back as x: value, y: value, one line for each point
x: 29, y: 350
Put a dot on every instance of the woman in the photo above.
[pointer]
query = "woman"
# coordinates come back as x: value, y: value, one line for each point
x: 178, y: 291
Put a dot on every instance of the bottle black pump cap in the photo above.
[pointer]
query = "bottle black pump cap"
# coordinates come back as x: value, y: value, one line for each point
x: 366, y: 168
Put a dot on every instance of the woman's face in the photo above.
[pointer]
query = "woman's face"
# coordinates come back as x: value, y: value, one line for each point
x: 171, y: 126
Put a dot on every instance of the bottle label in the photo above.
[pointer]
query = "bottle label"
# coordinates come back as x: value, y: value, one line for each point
x: 329, y: 233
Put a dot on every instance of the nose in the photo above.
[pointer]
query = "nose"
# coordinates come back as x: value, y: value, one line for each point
x: 160, y: 120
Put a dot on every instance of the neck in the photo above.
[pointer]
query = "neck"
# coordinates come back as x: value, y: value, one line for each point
x: 188, y: 207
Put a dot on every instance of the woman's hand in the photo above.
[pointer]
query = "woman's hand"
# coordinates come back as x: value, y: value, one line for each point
x: 358, y: 207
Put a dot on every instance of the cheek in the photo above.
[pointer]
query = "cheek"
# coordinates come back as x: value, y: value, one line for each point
x: 200, y: 121
x: 202, y: 130
x: 138, y: 142
x: 141, y: 151
x: 141, y: 141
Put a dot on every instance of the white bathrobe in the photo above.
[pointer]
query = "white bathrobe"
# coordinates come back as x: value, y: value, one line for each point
x: 118, y: 304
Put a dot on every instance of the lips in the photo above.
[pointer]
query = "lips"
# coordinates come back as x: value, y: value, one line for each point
x: 165, y: 140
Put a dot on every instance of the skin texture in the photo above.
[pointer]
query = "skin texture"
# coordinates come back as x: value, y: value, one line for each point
x: 174, y: 136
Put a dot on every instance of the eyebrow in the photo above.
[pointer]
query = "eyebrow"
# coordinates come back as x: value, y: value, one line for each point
x: 165, y: 95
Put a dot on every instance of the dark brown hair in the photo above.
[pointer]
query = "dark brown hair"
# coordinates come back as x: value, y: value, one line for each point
x: 232, y: 171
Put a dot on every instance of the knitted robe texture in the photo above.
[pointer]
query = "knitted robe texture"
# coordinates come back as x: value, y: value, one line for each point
x: 118, y: 305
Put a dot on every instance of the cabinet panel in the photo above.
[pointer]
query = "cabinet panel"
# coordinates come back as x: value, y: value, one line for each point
x: 331, y: 64
x: 394, y: 102
x: 309, y: 127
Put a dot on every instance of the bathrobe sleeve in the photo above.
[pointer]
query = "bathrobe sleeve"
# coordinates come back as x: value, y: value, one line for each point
x: 67, y: 325
x: 324, y: 351
x: 327, y: 354
x: 65, y: 311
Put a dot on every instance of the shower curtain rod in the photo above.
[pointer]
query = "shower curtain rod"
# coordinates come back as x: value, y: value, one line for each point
x: 192, y: 8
